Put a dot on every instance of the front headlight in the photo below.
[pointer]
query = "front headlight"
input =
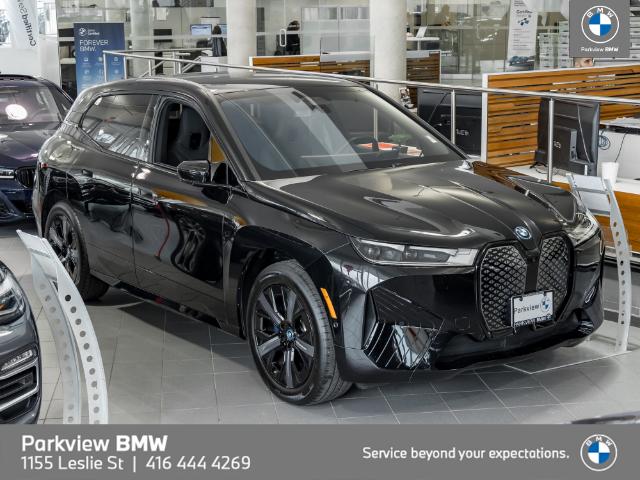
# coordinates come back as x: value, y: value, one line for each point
x: 584, y: 227
x: 6, y: 172
x: 12, y: 302
x: 394, y: 254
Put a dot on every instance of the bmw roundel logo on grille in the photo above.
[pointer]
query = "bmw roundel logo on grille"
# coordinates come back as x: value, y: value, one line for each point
x: 522, y: 233
x: 599, y: 452
x: 600, y: 24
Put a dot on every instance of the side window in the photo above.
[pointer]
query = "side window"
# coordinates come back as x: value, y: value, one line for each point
x: 120, y: 124
x: 184, y: 136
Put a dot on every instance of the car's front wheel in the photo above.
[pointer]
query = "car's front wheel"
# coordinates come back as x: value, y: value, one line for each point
x: 290, y: 336
x: 63, y: 232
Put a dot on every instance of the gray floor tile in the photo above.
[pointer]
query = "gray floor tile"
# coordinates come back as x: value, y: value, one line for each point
x: 133, y: 401
x: 358, y: 392
x: 392, y: 389
x: 245, y: 388
x: 196, y: 385
x: 254, y: 414
x: 187, y: 367
x: 314, y: 414
x: 511, y: 379
x: 230, y: 350
x: 490, y: 416
x: 374, y: 420
x: 459, y: 383
x: 471, y: 400
x: 236, y: 364
x: 199, y: 416
x: 135, y: 418
x: 219, y: 337
x: 143, y: 377
x: 428, y: 418
x: 361, y: 407
x: 186, y: 400
x: 430, y: 402
x: 549, y: 414
x: 581, y: 411
x: 523, y: 397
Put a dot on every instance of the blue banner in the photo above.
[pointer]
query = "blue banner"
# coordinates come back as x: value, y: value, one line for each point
x: 91, y: 39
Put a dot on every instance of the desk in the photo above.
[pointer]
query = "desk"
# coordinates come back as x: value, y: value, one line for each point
x: 627, y: 193
x: 620, y: 142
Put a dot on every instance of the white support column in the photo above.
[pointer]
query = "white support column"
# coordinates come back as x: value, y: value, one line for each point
x: 141, y: 16
x: 389, y: 42
x: 241, y: 31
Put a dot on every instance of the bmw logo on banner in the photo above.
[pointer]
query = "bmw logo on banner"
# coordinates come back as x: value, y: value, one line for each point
x: 598, y: 452
x: 599, y: 29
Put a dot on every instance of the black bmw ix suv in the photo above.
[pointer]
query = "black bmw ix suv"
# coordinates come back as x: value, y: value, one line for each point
x: 343, y: 237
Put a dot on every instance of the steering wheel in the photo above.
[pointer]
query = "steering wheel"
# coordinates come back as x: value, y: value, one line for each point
x: 359, y: 139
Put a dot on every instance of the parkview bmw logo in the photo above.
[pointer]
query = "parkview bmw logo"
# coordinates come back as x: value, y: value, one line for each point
x: 599, y: 453
x: 600, y: 24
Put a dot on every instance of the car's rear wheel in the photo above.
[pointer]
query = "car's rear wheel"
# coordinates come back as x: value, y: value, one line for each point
x: 63, y: 232
x: 290, y: 336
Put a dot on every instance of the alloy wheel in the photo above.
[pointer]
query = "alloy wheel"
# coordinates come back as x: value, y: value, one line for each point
x: 284, y: 336
x: 62, y: 237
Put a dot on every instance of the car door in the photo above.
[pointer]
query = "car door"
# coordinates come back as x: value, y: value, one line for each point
x: 177, y: 241
x: 113, y: 137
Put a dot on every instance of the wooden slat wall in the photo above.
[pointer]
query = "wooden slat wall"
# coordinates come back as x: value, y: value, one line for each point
x: 512, y: 122
x: 512, y: 127
x: 422, y: 69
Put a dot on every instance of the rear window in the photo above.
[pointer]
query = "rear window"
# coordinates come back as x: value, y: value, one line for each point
x: 120, y: 124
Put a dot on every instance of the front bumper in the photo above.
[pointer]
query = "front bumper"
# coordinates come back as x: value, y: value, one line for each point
x: 396, y: 322
x: 15, y: 202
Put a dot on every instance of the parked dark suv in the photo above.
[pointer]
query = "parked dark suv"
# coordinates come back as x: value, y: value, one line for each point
x: 342, y: 236
x: 20, y: 377
x: 31, y: 110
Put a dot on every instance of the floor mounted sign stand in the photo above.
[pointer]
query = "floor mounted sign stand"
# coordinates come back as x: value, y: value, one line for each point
x: 73, y: 333
x: 610, y: 340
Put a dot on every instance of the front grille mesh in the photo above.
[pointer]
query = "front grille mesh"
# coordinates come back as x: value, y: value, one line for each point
x: 26, y: 176
x: 503, y: 274
x: 553, y: 270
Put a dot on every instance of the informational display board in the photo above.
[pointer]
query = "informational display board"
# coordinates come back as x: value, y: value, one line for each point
x: 91, y: 39
x: 521, y: 50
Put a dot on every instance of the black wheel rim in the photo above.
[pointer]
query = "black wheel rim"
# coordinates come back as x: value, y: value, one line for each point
x: 284, y: 336
x: 63, y: 239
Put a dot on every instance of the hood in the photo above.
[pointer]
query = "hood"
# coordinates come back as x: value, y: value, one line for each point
x: 452, y: 204
x: 20, y: 147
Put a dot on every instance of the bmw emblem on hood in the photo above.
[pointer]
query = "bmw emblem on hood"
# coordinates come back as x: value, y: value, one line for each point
x: 523, y: 233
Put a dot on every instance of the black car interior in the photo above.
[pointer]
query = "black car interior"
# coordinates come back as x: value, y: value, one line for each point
x: 183, y: 136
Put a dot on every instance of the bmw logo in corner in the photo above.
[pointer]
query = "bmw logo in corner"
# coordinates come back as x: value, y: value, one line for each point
x: 522, y: 233
x: 600, y: 24
x: 599, y: 452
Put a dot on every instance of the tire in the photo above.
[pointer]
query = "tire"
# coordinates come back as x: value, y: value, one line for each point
x: 295, y: 355
x: 71, y: 251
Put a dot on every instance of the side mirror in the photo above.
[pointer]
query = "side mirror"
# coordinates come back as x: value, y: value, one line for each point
x: 196, y: 172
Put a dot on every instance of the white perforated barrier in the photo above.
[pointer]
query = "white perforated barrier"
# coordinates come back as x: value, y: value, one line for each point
x: 73, y: 333
x: 610, y: 339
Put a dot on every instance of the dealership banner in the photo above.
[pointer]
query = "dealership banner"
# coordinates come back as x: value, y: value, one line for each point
x: 324, y: 452
x: 521, y: 49
x: 599, y: 29
x: 23, y: 23
x: 91, y: 39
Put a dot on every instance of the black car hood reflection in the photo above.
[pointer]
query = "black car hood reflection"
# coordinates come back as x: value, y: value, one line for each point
x: 452, y: 204
x: 19, y: 146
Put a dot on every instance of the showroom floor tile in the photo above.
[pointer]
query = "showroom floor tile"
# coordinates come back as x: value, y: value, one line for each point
x: 162, y: 367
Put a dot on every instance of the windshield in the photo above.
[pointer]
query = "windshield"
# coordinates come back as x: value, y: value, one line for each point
x: 23, y: 106
x: 291, y: 132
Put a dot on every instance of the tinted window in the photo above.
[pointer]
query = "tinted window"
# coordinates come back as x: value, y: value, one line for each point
x: 121, y: 123
x: 28, y: 105
x: 291, y: 132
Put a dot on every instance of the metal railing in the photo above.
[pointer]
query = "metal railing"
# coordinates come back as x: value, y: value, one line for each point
x: 452, y: 89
